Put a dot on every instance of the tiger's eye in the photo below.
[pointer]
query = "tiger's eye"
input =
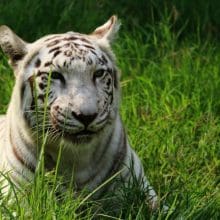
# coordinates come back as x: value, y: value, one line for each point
x: 99, y: 73
x: 58, y: 76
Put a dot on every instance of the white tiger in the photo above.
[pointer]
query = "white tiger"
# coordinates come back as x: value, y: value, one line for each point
x: 82, y: 109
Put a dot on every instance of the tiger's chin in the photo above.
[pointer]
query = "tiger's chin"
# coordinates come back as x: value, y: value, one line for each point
x: 84, y: 136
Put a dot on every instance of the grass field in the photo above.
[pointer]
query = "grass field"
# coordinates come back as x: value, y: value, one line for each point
x: 171, y: 110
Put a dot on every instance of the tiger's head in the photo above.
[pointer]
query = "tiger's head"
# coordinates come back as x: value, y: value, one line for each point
x: 72, y: 76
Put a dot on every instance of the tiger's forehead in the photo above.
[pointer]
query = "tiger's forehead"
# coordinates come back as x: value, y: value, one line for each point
x: 54, y: 39
x: 76, y: 42
x: 65, y: 51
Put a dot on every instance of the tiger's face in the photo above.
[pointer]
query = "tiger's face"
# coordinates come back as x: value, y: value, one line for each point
x: 73, y: 77
x: 76, y: 80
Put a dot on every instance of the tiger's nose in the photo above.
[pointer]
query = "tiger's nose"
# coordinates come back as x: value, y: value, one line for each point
x: 83, y: 118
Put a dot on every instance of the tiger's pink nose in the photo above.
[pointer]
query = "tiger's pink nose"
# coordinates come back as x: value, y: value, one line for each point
x: 83, y: 118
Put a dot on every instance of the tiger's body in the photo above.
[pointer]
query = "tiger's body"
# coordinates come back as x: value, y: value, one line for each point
x: 82, y: 101
x: 2, y: 124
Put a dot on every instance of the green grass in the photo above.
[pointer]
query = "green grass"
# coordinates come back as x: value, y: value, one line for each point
x: 171, y: 110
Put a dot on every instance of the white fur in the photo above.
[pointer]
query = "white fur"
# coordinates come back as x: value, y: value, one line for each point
x: 85, y: 160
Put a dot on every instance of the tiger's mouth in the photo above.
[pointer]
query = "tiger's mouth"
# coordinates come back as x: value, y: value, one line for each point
x: 66, y: 133
x: 81, y: 136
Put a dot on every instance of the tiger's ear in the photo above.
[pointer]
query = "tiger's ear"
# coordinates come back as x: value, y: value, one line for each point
x: 107, y: 31
x: 12, y: 45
